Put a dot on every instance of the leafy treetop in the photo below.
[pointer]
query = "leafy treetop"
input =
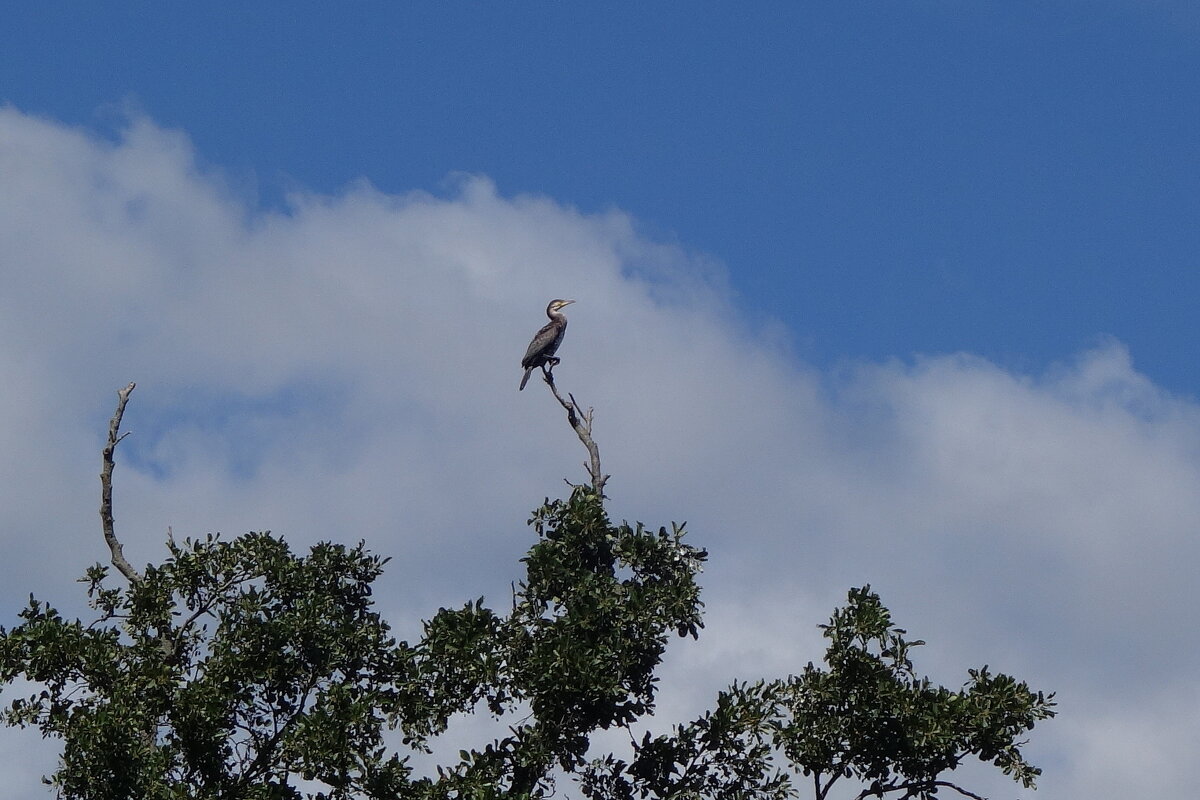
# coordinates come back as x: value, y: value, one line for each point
x: 241, y: 670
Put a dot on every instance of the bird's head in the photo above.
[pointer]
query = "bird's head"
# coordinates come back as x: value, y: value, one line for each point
x: 558, y: 305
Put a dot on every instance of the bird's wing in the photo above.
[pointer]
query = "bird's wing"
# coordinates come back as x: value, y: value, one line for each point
x: 541, y: 340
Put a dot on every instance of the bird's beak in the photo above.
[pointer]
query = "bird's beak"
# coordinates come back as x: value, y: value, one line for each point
x: 567, y: 302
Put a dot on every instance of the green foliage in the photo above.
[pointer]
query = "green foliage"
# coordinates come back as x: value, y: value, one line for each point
x: 865, y: 716
x: 899, y: 731
x: 241, y: 670
x: 224, y: 672
x: 592, y: 622
x: 588, y: 627
x: 726, y: 753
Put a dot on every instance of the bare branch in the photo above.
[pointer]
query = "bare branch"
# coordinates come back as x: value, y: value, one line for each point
x: 823, y: 792
x: 959, y: 789
x: 106, y: 516
x: 912, y: 788
x: 581, y: 421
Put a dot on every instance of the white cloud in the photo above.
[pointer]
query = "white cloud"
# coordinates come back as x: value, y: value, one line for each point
x: 348, y: 369
x: 1139, y: 744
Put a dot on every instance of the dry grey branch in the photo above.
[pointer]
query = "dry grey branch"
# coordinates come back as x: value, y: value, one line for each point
x: 581, y: 421
x: 106, y: 515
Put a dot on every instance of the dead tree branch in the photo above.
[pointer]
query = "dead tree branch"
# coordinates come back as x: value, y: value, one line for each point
x: 959, y: 789
x: 581, y: 421
x: 106, y: 515
x: 911, y: 789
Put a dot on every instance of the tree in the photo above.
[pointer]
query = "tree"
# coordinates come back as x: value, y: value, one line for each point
x: 866, y: 716
x: 240, y: 669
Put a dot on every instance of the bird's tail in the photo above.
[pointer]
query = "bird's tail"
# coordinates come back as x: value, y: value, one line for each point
x: 525, y: 378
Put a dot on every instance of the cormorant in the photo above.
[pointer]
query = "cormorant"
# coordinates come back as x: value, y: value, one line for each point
x: 546, y: 341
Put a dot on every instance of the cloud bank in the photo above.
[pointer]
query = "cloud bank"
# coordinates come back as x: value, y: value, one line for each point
x: 346, y: 368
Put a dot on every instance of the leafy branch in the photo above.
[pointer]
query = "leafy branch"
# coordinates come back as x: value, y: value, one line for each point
x: 865, y: 716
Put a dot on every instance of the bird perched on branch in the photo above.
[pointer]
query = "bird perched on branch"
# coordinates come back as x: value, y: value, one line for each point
x: 546, y: 341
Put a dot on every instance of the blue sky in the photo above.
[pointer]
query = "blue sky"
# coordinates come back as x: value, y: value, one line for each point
x: 1011, y: 179
x: 894, y: 293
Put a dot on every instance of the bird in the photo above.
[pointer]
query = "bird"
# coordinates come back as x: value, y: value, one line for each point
x: 546, y: 341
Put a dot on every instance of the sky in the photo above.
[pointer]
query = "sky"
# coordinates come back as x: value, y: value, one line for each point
x: 887, y: 293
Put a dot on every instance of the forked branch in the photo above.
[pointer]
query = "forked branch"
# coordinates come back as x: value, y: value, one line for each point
x: 911, y: 789
x: 106, y: 515
x: 581, y: 421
